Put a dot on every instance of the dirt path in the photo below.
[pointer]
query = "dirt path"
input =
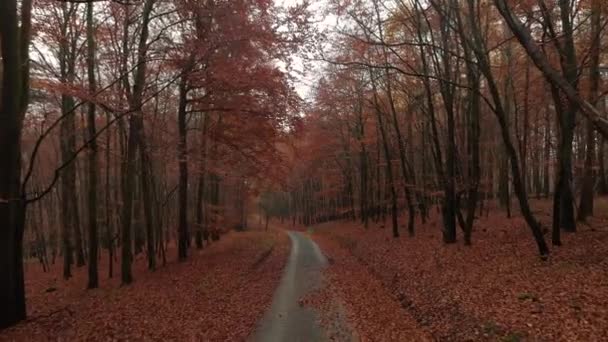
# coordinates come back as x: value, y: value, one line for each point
x: 287, y: 319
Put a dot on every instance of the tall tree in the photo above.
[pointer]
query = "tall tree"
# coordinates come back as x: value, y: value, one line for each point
x: 14, y: 40
x: 92, y: 154
x: 182, y: 155
x: 586, y: 199
x: 134, y: 138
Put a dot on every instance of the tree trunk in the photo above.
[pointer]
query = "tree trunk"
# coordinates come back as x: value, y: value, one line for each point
x: 146, y: 189
x: 92, y: 155
x: 586, y: 201
x: 363, y: 195
x: 395, y: 122
x: 182, y: 154
x: 547, y: 153
x: 478, y: 46
x: 552, y: 75
x: 603, y: 182
x: 134, y: 138
x: 127, y: 207
x: 387, y: 157
x: 14, y: 41
x: 563, y: 202
x: 474, y: 81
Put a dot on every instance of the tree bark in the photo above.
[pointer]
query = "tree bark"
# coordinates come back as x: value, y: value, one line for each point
x: 14, y: 47
x: 586, y: 200
x: 481, y: 53
x: 92, y: 155
x: 387, y: 156
x: 134, y: 139
x: 182, y: 155
x: 540, y: 60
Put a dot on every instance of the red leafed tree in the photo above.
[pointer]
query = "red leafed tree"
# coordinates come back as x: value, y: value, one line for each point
x: 116, y: 87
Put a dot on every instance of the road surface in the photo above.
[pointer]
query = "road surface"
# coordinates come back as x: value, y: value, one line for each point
x: 287, y: 320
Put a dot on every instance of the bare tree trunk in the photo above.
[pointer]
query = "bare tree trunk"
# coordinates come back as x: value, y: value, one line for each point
x: 134, y: 138
x: 108, y: 218
x: 363, y: 162
x: 447, y: 210
x: 67, y: 130
x: 200, y: 197
x: 547, y: 153
x: 474, y: 172
x: 147, y: 181
x: 586, y: 201
x: 92, y: 155
x: 444, y: 67
x: 183, y: 172
x: 387, y: 156
x: 603, y: 182
x: 478, y: 46
x: 552, y: 75
x: 14, y: 41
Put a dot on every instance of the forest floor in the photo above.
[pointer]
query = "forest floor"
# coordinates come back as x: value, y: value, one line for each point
x: 498, y: 289
x: 364, y: 286
x: 218, y: 294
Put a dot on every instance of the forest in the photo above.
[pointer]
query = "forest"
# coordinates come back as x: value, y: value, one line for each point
x: 278, y: 170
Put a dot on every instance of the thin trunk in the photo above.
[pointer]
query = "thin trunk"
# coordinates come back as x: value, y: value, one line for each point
x: 586, y: 201
x: 92, y: 155
x: 146, y: 194
x: 200, y: 198
x: 474, y: 109
x: 14, y: 42
x: 603, y: 182
x: 547, y: 153
x: 387, y: 157
x: 182, y: 154
x: 478, y: 46
x: 134, y: 138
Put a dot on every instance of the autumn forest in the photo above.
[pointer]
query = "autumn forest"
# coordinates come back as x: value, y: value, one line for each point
x: 304, y: 170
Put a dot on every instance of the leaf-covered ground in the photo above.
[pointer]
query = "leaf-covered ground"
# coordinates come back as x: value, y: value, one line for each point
x: 497, y: 289
x: 352, y: 291
x: 218, y: 294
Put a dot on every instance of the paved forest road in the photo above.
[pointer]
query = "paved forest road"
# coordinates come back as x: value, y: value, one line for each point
x: 287, y: 320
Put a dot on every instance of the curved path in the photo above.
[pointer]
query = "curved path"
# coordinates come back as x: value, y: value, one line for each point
x: 287, y: 320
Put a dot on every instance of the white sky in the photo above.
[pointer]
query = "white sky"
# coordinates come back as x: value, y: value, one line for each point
x: 307, y: 75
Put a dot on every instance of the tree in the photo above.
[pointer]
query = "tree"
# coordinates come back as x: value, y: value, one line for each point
x: 121, y: 76
x: 586, y: 199
x: 540, y: 60
x: 14, y: 39
x: 134, y: 139
x: 182, y: 153
x: 92, y: 156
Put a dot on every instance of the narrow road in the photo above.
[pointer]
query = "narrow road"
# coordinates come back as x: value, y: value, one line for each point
x: 287, y: 320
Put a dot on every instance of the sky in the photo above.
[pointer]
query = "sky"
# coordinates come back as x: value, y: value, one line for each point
x: 307, y: 76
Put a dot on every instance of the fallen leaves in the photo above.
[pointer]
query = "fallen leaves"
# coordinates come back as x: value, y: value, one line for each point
x: 371, y: 311
x: 218, y: 294
x: 496, y: 289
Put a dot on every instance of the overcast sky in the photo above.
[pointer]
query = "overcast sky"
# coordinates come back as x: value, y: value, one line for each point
x: 307, y: 76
